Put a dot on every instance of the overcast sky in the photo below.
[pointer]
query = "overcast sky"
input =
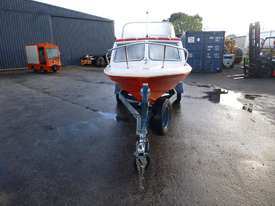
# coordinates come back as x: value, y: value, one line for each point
x: 233, y: 16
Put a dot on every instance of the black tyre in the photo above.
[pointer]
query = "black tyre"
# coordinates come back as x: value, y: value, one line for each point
x: 54, y: 69
x: 117, y: 99
x: 238, y: 56
x: 161, y: 112
x: 178, y: 98
x: 266, y: 71
x: 100, y: 62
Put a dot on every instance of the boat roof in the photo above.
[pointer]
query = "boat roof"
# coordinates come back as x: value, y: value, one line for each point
x: 148, y: 30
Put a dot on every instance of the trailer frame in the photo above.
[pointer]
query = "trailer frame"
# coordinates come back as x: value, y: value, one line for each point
x: 143, y: 117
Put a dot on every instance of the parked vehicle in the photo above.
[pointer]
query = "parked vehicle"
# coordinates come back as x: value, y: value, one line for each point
x: 43, y: 57
x: 231, y: 52
x: 99, y: 61
x: 228, y: 60
x: 261, y: 60
x: 87, y: 60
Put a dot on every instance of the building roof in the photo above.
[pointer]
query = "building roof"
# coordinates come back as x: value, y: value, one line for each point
x: 37, y: 7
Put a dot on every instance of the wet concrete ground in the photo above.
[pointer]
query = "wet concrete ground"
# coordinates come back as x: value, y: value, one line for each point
x: 63, y: 141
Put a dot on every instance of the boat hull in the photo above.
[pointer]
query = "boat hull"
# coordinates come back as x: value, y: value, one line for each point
x: 158, y: 85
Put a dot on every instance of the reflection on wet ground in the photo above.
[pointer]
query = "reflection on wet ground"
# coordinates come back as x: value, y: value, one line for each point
x: 251, y: 96
x: 201, y: 85
x: 108, y: 115
x: 257, y: 103
x: 226, y: 97
x: 236, y: 76
x: 114, y: 116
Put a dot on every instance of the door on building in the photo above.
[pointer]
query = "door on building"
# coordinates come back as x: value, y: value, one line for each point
x: 42, y: 55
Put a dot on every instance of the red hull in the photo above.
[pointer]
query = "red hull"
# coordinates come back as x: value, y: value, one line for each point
x: 158, y: 85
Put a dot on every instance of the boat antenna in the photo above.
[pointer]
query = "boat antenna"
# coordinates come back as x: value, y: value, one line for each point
x: 147, y: 13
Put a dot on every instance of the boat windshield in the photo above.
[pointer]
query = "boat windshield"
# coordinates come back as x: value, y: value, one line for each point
x: 156, y: 52
x: 134, y: 53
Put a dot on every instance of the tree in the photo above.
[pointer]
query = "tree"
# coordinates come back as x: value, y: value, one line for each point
x: 183, y: 22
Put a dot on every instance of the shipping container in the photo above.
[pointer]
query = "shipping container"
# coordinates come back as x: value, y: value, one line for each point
x: 205, y: 50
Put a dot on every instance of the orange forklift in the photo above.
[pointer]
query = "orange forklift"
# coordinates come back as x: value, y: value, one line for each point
x: 43, y: 57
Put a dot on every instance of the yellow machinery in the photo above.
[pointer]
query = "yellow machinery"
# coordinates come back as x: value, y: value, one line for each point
x: 231, y: 48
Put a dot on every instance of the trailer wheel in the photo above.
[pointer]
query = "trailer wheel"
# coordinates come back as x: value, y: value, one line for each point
x: 161, y: 116
x: 178, y: 98
x: 117, y: 99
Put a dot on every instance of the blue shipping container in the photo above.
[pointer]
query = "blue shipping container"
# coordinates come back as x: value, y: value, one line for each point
x: 205, y: 50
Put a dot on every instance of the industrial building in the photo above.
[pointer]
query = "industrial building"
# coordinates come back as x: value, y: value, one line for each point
x: 25, y: 22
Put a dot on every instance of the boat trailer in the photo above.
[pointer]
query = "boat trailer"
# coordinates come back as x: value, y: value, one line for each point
x: 142, y: 115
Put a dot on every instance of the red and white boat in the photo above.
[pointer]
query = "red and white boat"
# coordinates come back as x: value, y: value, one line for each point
x: 149, y: 64
x: 148, y: 53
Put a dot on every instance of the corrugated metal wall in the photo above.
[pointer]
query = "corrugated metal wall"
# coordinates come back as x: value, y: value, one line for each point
x: 86, y: 37
x: 26, y: 22
x: 18, y: 30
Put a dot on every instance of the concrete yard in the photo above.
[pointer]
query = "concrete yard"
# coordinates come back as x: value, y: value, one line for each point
x: 63, y: 141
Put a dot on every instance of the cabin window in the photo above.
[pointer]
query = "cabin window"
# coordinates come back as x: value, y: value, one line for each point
x: 52, y: 53
x: 156, y: 52
x: 134, y: 53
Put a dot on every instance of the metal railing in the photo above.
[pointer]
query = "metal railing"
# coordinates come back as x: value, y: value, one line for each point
x: 146, y: 43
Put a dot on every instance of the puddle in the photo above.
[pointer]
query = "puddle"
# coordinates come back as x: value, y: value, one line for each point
x: 104, y: 82
x: 254, y: 164
x: 236, y: 78
x: 108, y: 115
x: 225, y: 97
x: 228, y: 98
x: 49, y: 127
x: 113, y: 116
x: 235, y: 75
x: 92, y: 109
x: 191, y: 97
x: 200, y: 85
x: 252, y: 96
x: 204, y: 85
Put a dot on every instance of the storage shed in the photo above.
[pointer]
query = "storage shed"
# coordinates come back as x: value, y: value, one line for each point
x: 25, y: 22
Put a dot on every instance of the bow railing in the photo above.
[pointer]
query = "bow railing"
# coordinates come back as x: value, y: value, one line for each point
x: 147, y: 43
